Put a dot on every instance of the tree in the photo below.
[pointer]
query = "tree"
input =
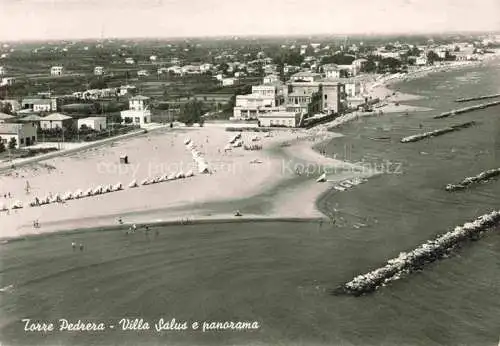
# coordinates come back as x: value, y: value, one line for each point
x: 6, y: 108
x: 431, y: 57
x: 191, y: 112
x: 12, y: 143
x: 370, y: 66
x: 2, y: 145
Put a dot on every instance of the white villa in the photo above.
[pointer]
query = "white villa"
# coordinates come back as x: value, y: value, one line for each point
x: 138, y: 113
x: 282, y: 119
x: 24, y: 134
x: 56, y: 70
x: 94, y: 123
x: 98, y: 71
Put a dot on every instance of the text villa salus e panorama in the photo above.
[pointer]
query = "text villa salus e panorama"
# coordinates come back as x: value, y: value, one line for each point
x: 135, y: 324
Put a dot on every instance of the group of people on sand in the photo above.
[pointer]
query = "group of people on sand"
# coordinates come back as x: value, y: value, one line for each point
x: 132, y: 229
x: 73, y: 245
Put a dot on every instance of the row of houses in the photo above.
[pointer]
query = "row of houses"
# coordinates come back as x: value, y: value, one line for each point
x: 25, y: 130
x: 305, y: 93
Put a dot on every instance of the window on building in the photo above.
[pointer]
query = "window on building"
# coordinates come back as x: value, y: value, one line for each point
x: 137, y: 120
x: 33, y: 139
x: 22, y: 140
x: 326, y: 97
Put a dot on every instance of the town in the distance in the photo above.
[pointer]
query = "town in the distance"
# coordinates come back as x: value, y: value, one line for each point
x: 74, y: 91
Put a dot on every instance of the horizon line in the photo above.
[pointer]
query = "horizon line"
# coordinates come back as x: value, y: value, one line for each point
x: 254, y: 36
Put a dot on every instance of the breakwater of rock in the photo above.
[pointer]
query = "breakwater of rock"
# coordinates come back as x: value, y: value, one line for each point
x: 467, y: 109
x: 416, y: 259
x: 477, y: 98
x: 435, y: 133
x: 481, y: 177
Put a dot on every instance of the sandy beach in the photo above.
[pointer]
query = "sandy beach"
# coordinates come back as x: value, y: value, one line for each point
x: 236, y: 174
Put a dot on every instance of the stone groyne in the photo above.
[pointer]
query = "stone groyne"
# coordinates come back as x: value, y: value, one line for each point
x: 466, y: 109
x: 435, y: 133
x: 481, y: 177
x: 416, y: 259
x: 485, y: 97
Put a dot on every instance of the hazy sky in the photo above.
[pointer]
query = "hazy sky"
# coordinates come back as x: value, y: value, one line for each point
x: 41, y: 19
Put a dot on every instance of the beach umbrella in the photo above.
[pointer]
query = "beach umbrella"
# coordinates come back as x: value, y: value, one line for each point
x: 189, y: 173
x: 78, y: 193
x: 171, y: 176
x: 145, y: 182
x: 203, y: 168
x: 132, y: 184
x: 68, y: 196
x: 89, y: 192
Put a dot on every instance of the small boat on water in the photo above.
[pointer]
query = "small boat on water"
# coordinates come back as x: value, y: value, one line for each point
x: 379, y: 138
x: 345, y: 184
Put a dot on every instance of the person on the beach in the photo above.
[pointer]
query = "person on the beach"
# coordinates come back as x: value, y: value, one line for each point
x: 134, y: 227
x: 81, y: 247
x: 73, y: 245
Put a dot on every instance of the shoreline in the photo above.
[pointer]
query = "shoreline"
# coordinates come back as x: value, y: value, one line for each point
x: 308, y: 193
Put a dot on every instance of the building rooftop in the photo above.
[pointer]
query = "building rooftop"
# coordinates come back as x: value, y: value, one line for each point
x: 56, y: 117
x: 10, y: 128
x: 4, y: 116
x: 31, y: 117
x: 37, y: 101
x: 305, y: 74
x: 280, y: 114
x: 139, y: 98
x: 93, y: 118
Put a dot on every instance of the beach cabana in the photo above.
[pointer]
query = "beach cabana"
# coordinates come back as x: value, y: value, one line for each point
x: 67, y: 196
x: 132, y: 184
x: 145, y: 182
x: 322, y: 178
x: 117, y: 187
x: 180, y: 175
x: 89, y: 192
x: 187, y: 141
x: 171, y: 176
x: 124, y: 159
x: 78, y: 193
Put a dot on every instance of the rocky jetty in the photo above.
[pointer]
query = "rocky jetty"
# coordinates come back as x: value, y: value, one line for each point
x: 435, y: 133
x: 416, y: 259
x: 476, y: 98
x: 467, y: 109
